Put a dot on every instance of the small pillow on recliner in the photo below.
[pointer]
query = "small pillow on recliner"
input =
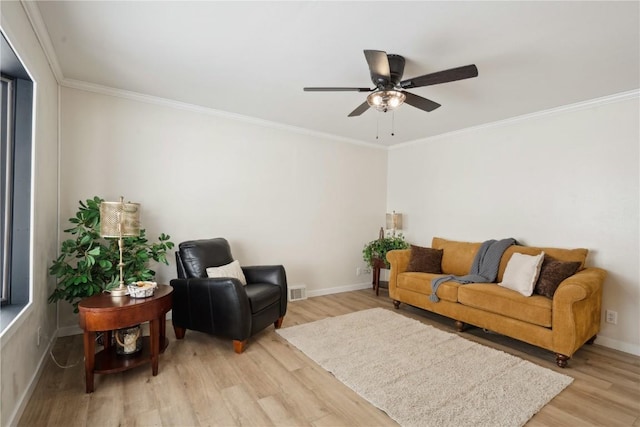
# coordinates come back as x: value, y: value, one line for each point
x: 552, y: 273
x: 232, y: 270
x: 425, y: 260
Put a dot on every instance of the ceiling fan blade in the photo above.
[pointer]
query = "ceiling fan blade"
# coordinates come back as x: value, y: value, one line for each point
x: 337, y: 89
x: 451, y: 75
x: 360, y: 109
x: 378, y: 66
x: 420, y: 102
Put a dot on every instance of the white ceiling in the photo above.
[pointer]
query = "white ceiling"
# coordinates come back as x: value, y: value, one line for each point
x: 254, y: 58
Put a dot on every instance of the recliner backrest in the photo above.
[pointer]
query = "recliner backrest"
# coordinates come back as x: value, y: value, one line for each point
x: 195, y: 256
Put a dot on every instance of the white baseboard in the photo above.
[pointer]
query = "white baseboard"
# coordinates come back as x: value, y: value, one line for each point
x: 69, y: 330
x: 618, y: 345
x: 33, y: 382
x: 338, y: 289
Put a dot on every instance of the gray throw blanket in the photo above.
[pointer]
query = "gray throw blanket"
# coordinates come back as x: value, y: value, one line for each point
x: 484, y: 268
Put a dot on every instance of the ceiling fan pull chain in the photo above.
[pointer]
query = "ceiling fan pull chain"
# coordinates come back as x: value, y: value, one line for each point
x: 393, y: 123
x: 377, y: 125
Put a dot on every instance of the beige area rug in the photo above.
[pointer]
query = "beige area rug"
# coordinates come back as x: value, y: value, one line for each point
x: 422, y: 376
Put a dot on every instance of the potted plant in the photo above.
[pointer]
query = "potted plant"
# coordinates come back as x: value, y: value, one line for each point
x: 88, y: 263
x: 377, y: 249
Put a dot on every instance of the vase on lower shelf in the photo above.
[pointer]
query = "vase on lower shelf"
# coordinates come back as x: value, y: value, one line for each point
x: 129, y: 340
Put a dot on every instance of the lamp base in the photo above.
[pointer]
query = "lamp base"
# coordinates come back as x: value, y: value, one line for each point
x: 119, y: 292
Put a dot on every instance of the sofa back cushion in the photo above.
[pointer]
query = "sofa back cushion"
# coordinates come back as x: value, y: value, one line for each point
x: 457, y: 257
x: 567, y: 255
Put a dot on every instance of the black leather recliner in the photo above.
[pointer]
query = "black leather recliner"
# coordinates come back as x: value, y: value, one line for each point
x: 223, y: 306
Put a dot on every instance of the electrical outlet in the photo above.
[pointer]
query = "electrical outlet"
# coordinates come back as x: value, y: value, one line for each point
x: 611, y: 317
x: 358, y: 271
x: 38, y: 337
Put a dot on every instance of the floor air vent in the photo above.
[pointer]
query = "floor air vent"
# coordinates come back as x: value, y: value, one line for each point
x: 297, y: 292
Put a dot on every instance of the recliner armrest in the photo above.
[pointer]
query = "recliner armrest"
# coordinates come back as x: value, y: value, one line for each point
x: 213, y: 305
x: 271, y: 274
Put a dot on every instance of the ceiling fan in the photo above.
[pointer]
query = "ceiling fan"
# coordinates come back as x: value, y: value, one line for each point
x: 389, y: 91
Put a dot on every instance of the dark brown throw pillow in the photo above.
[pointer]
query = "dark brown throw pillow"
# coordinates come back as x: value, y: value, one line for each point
x: 425, y: 260
x: 552, y: 273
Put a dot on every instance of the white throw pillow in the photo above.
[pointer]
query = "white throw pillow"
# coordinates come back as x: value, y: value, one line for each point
x: 229, y: 270
x: 522, y: 273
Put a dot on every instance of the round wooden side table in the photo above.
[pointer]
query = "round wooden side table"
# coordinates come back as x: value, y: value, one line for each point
x: 104, y: 313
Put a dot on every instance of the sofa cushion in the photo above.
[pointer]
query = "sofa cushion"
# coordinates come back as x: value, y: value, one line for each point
x: 457, y: 257
x: 567, y: 255
x: 425, y: 260
x: 490, y: 297
x: 522, y: 273
x: 552, y: 273
x: 421, y: 283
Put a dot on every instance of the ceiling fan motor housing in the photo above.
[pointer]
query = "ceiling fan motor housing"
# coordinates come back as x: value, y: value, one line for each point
x: 396, y: 69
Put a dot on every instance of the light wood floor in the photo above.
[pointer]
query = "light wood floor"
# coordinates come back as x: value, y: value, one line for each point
x: 201, y: 381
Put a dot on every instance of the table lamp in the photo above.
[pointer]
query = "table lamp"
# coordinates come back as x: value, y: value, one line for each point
x: 394, y: 222
x: 118, y: 220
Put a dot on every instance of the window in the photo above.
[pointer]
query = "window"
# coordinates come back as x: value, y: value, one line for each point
x: 6, y: 192
x: 16, y: 129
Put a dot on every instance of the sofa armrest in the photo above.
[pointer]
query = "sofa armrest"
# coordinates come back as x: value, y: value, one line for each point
x: 212, y: 305
x: 398, y: 260
x: 577, y: 306
x: 579, y: 286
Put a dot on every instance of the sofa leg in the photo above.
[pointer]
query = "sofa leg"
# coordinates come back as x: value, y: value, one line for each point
x: 179, y: 332
x: 460, y: 326
x: 239, y: 346
x: 278, y: 323
x: 592, y: 339
x: 561, y: 360
x: 396, y: 304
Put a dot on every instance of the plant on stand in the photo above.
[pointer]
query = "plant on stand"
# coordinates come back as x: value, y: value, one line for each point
x: 88, y: 263
x: 377, y: 249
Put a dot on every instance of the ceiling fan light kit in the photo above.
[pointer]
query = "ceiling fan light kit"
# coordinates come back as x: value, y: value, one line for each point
x: 389, y: 92
x: 386, y: 100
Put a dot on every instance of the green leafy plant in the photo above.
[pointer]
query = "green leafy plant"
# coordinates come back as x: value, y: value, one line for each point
x: 378, y: 248
x: 88, y: 263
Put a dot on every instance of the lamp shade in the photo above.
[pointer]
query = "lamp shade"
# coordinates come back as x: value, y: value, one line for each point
x: 394, y: 221
x: 119, y: 219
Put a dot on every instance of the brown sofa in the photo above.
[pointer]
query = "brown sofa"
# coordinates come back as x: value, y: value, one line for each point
x: 561, y: 324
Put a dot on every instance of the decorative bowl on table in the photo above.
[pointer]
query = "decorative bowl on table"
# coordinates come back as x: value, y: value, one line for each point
x: 142, y: 289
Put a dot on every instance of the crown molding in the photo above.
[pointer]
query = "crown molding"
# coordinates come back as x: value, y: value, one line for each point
x: 609, y: 99
x: 150, y: 99
x: 37, y: 23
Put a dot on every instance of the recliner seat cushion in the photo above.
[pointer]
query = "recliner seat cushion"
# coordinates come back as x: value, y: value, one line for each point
x: 490, y: 297
x: 262, y: 295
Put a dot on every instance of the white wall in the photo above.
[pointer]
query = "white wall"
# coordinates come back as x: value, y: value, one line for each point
x: 278, y: 196
x: 567, y: 178
x: 20, y: 357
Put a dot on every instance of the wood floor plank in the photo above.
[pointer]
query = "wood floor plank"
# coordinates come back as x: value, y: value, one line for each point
x: 245, y: 409
x: 201, y: 381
